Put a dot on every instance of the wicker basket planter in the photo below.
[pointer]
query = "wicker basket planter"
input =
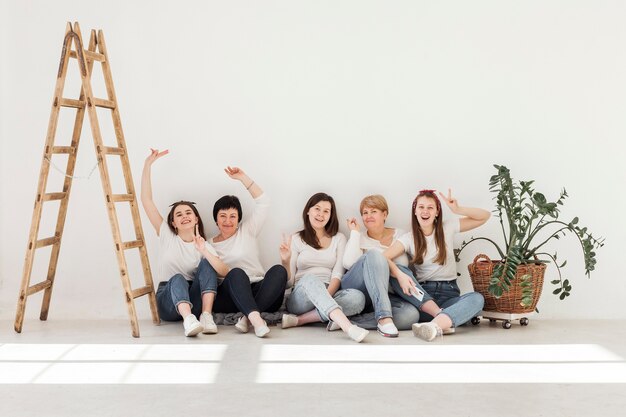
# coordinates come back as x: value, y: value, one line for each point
x: 511, y: 301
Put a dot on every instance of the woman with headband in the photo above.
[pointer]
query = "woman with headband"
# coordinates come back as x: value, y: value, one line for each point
x: 188, y: 265
x: 430, y: 246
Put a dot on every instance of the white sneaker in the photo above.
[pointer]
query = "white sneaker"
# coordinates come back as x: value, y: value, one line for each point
x: 332, y: 326
x: 262, y: 331
x: 289, y: 320
x: 356, y: 333
x: 206, y: 320
x: 427, y: 331
x: 192, y: 325
x: 242, y: 324
x: 387, y: 330
x: 449, y: 330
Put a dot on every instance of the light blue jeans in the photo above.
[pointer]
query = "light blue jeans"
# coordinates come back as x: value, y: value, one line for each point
x: 460, y: 308
x: 178, y: 290
x: 311, y: 293
x: 370, y: 275
x: 404, y: 315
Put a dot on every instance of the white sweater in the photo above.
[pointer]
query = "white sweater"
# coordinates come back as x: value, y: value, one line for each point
x: 241, y: 250
x: 323, y: 263
x: 359, y: 243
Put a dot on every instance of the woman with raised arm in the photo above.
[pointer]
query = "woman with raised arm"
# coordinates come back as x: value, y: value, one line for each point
x: 313, y: 259
x: 368, y: 269
x: 430, y: 246
x: 248, y: 287
x: 188, y: 265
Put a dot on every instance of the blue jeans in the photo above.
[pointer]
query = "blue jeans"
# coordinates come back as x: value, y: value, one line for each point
x: 404, y: 315
x: 460, y: 308
x: 311, y: 293
x: 178, y: 290
x: 370, y: 275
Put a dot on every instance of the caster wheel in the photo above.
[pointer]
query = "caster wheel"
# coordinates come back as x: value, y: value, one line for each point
x: 506, y: 324
x: 492, y: 320
x: 523, y: 321
x: 475, y: 320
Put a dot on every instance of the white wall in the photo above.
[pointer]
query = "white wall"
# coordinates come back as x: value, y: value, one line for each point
x: 350, y: 97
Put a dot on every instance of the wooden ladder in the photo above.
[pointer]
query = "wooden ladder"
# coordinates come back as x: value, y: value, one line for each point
x: 86, y: 57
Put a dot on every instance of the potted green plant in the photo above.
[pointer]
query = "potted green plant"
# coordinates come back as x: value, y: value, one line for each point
x: 528, y: 222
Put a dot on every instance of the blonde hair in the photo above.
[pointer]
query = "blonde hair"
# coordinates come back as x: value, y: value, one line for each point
x: 376, y: 201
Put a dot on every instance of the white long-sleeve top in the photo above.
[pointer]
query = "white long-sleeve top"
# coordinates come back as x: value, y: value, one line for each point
x: 241, y: 250
x: 323, y: 263
x: 359, y: 243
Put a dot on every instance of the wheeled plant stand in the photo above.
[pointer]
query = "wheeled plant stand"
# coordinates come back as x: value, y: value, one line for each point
x: 505, y: 318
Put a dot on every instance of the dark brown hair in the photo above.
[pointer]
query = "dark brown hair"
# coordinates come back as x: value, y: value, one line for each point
x: 170, y: 216
x: 418, y: 235
x: 332, y: 227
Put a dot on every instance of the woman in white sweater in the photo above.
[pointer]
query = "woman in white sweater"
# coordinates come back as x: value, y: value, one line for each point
x: 368, y: 269
x: 247, y: 287
x: 188, y: 266
x: 313, y: 259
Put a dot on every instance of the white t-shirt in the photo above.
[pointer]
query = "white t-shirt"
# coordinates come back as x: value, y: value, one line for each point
x: 429, y: 270
x: 359, y: 243
x: 323, y: 263
x: 241, y: 250
x: 177, y: 256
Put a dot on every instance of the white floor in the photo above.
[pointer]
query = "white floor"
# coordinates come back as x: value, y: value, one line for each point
x: 80, y: 368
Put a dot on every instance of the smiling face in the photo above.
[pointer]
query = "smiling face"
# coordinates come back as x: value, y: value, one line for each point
x: 373, y: 218
x: 319, y: 214
x: 227, y: 222
x: 426, y: 212
x: 184, y: 218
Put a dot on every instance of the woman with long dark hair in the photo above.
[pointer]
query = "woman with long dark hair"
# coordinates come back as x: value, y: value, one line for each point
x: 313, y: 259
x: 431, y: 252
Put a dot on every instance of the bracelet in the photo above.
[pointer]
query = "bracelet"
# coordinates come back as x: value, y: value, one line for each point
x: 251, y: 184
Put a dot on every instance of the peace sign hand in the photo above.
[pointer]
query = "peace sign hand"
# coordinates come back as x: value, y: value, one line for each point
x: 285, y: 249
x: 199, y: 241
x: 450, y: 201
x: 353, y: 225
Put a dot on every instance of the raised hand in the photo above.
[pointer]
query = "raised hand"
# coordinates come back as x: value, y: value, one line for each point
x: 285, y: 249
x: 155, y: 154
x: 353, y: 225
x: 235, y: 173
x: 451, y: 202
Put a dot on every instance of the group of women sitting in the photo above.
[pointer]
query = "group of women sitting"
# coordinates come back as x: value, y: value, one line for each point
x: 408, y: 280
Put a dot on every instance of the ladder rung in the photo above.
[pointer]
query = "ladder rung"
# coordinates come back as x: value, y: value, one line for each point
x: 132, y: 244
x: 100, y: 102
x: 141, y: 291
x: 54, y: 196
x: 63, y: 149
x: 118, y: 198
x: 69, y: 102
x: 107, y: 150
x: 91, y: 56
x: 38, y: 287
x: 46, y: 242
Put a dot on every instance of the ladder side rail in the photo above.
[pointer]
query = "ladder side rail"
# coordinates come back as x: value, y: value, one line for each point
x: 111, y: 211
x: 67, y: 187
x: 43, y: 181
x: 121, y: 142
